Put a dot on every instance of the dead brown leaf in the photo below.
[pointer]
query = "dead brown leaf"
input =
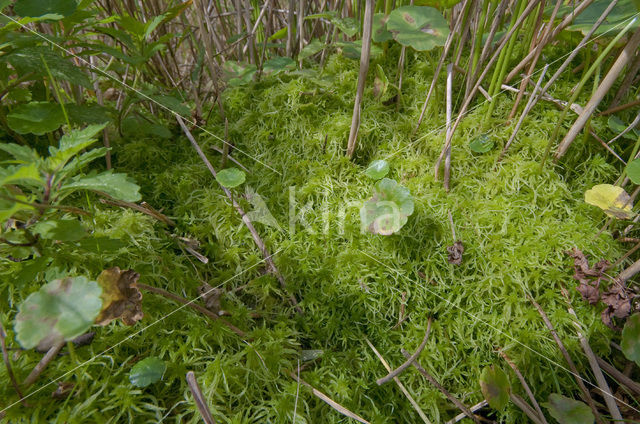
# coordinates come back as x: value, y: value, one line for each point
x: 589, y: 277
x: 212, y: 297
x: 121, y: 298
x: 455, y: 253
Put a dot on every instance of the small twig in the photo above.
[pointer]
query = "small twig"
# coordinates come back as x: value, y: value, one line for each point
x: 192, y: 305
x: 402, y: 316
x: 332, y: 403
x: 44, y: 362
x: 44, y: 206
x: 412, y: 358
x: 572, y: 366
x: 7, y: 362
x: 453, y: 227
x: 438, y: 386
x: 619, y: 376
x: 198, y: 397
x: 526, y: 408
x: 295, y: 405
x: 473, y: 409
x: 524, y: 384
x: 400, y: 385
x: 145, y: 209
x: 593, y: 362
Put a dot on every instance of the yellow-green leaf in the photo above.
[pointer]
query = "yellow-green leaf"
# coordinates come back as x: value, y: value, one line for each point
x: 613, y: 200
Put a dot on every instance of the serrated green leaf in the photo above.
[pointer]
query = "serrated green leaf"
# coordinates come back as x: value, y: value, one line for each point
x: 36, y: 118
x: 278, y: 64
x: 419, y: 27
x: 21, y: 174
x: 118, y: 186
x: 60, y: 230
x: 34, y: 8
x: 147, y: 371
x: 568, y: 411
x: 495, y: 387
x: 387, y: 211
x: 71, y: 144
x: 315, y: 46
x: 22, y: 154
x: 30, y: 59
x: 378, y: 169
x: 61, y: 310
x: 631, y: 338
x: 230, y: 177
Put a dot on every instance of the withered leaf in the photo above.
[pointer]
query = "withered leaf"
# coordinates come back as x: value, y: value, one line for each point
x: 63, y: 390
x: 121, y: 298
x: 455, y: 253
x: 589, y: 277
x: 618, y: 301
x: 212, y: 297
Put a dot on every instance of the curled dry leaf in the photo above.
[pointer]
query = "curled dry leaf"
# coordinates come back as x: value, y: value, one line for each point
x: 618, y: 300
x: 121, y: 298
x: 455, y: 253
x: 589, y: 277
x: 212, y: 297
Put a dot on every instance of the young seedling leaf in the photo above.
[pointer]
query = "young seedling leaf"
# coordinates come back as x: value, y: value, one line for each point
x: 568, y: 411
x: 422, y: 28
x: 71, y: 144
x: 118, y: 186
x: 631, y: 338
x: 60, y: 230
x: 278, y: 64
x: 495, y: 387
x: 35, y: 8
x: 380, y: 34
x: 387, y: 211
x: 279, y: 35
x: 230, y: 177
x: 481, y: 144
x: 380, y: 83
x: 147, y: 371
x: 613, y: 200
x: 36, y: 118
x: 377, y: 170
x: 633, y: 171
x: 121, y: 298
x: 61, y: 310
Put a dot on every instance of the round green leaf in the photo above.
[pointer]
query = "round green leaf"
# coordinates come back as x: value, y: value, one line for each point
x: 568, y: 411
x: 147, y: 371
x: 377, y: 169
x: 631, y: 338
x: 387, y: 211
x: 230, y: 177
x: 34, y: 8
x: 62, y: 230
x: 36, y: 117
x: 380, y: 33
x: 422, y: 28
x: 61, y: 310
x: 633, y: 171
x: 495, y: 387
x: 481, y: 144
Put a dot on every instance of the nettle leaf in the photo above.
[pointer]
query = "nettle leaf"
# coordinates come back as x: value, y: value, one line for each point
x: 60, y: 311
x: 21, y: 175
x: 568, y: 411
x: 387, y: 211
x: 118, y: 186
x: 171, y: 103
x: 30, y: 59
x: 347, y: 25
x: 315, y: 46
x: 71, y: 144
x: 495, y: 387
x: 278, y: 64
x: 377, y: 169
x: 380, y: 34
x: 631, y: 338
x: 22, y: 154
x: 147, y: 371
x: 237, y: 74
x: 121, y: 298
x: 613, y: 200
x: 481, y: 144
x: 633, y: 171
x: 60, y: 230
x: 36, y: 118
x: 34, y: 8
x: 230, y: 177
x: 422, y: 28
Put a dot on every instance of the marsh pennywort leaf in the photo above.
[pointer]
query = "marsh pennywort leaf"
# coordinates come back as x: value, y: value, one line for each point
x: 380, y: 34
x: 495, y: 387
x: 377, y: 169
x: 60, y: 311
x: 60, y: 230
x: 36, y: 118
x: 613, y: 200
x: 621, y: 14
x: 387, y: 211
x: 121, y: 298
x: 568, y: 411
x: 481, y: 144
x: 631, y: 338
x: 633, y: 171
x: 230, y: 177
x: 422, y: 28
x: 147, y: 371
x: 118, y: 186
x: 34, y: 8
